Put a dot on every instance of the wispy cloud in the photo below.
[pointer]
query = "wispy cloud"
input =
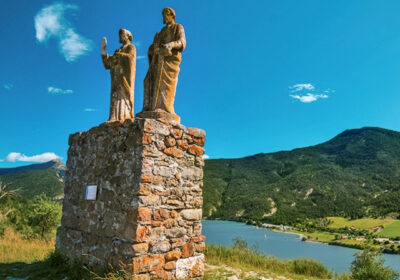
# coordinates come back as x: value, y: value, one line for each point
x: 309, y: 97
x: 328, y: 91
x: 8, y: 86
x: 300, y: 87
x: 140, y: 57
x: 206, y: 156
x: 308, y: 93
x: 59, y: 91
x: 13, y: 157
x: 51, y: 22
x: 89, y: 110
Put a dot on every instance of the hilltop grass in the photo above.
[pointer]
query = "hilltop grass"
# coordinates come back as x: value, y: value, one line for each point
x: 391, y: 231
x: 364, y: 223
x: 247, y: 259
x: 14, y: 248
x: 20, y: 257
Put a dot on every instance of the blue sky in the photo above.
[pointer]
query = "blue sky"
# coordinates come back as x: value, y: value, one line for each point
x: 258, y: 76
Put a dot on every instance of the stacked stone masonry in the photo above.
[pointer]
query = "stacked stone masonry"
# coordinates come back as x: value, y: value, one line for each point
x: 148, y: 209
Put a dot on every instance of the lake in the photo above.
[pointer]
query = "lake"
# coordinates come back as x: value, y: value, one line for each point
x: 286, y: 246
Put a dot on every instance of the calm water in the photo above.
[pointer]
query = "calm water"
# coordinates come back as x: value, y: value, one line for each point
x: 286, y: 246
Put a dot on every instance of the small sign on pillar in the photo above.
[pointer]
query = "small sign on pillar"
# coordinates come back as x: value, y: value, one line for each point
x: 91, y: 192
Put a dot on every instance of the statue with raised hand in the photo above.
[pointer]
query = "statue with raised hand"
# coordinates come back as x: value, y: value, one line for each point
x: 164, y: 59
x: 122, y: 65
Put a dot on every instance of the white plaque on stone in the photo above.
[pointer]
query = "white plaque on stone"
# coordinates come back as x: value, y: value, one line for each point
x: 91, y: 192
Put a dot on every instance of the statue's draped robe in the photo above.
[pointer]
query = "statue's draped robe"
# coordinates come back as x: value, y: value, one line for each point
x: 122, y: 67
x: 162, y: 76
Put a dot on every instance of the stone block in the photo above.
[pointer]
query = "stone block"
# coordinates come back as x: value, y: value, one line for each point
x: 147, y: 263
x: 172, y: 255
x: 190, y: 267
x: 191, y: 214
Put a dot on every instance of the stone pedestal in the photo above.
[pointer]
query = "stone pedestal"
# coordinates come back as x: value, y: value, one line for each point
x: 147, y: 212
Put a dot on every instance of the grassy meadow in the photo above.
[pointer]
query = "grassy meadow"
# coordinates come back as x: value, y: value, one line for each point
x: 14, y: 248
x: 20, y: 257
x: 364, y: 223
x: 392, y: 230
x: 318, y: 236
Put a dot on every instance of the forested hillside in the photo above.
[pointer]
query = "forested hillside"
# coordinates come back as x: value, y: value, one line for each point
x: 31, y: 180
x: 355, y: 174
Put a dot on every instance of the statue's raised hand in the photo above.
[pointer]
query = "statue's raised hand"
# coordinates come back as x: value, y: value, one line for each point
x: 103, y: 45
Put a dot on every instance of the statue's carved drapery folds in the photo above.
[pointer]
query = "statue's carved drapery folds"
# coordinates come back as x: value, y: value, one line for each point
x: 164, y: 59
x: 122, y: 65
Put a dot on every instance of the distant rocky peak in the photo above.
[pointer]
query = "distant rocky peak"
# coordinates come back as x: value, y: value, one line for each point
x: 58, y: 164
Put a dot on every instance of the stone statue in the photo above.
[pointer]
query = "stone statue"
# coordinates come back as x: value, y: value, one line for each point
x: 164, y: 58
x: 122, y: 65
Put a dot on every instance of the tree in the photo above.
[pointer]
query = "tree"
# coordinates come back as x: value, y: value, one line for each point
x: 369, y: 265
x: 5, y: 192
x: 4, y: 210
x: 44, y: 215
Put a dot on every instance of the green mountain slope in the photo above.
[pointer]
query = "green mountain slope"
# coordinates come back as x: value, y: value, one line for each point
x: 35, y: 179
x: 355, y: 174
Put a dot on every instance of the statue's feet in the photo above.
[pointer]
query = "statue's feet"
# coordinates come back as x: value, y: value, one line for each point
x: 159, y: 114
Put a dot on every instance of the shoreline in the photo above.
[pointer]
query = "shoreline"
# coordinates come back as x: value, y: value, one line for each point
x: 276, y: 228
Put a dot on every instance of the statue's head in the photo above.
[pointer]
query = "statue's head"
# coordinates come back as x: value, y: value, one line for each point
x: 168, y: 15
x: 125, y: 36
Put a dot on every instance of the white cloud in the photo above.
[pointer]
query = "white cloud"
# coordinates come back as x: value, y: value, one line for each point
x: 308, y: 93
x: 89, y: 110
x: 300, y: 87
x: 13, y: 157
x: 8, y: 86
x: 309, y: 97
x: 74, y: 45
x: 51, y: 22
x: 206, y: 156
x: 140, y: 57
x: 59, y: 91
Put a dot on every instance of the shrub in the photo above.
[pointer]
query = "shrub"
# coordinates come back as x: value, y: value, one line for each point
x: 310, y: 268
x: 239, y: 243
x: 369, y: 265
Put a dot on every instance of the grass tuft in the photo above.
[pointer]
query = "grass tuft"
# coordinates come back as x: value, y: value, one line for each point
x: 252, y: 259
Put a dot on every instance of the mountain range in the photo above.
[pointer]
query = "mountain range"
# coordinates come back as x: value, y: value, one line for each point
x: 35, y: 179
x: 355, y: 174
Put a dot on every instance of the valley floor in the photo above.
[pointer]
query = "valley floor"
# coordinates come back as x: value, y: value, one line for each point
x: 381, y: 234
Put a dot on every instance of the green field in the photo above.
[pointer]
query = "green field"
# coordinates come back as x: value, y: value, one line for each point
x: 365, y: 223
x: 392, y: 230
x: 318, y: 236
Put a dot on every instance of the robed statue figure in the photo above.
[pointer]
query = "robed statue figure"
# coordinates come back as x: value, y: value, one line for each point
x: 164, y: 59
x: 122, y: 65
